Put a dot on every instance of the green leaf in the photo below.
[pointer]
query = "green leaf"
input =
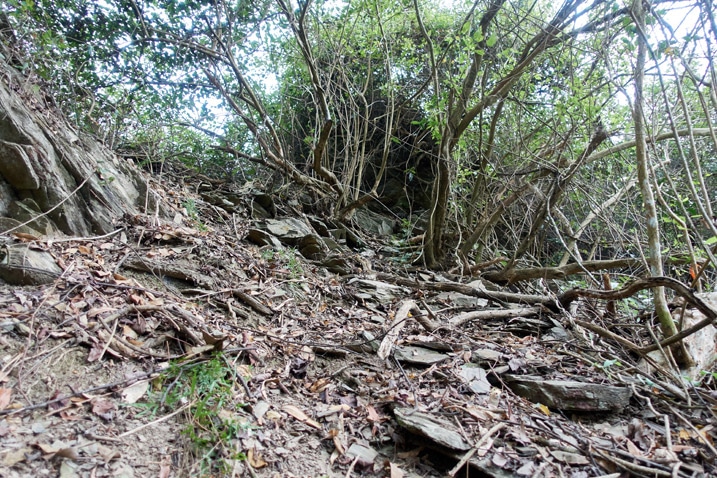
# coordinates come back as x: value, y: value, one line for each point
x: 711, y: 240
x: 492, y: 40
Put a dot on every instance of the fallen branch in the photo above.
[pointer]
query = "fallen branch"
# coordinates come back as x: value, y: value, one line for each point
x: 399, y: 321
x: 494, y: 314
x: 641, y: 284
x: 512, y: 276
x: 497, y: 296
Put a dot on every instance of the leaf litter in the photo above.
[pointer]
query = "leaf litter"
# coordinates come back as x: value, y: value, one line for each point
x: 178, y: 348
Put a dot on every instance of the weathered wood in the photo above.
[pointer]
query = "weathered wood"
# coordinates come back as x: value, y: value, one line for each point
x: 511, y: 276
x: 496, y: 296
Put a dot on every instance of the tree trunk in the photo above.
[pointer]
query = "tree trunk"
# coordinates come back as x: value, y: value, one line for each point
x: 654, y: 257
x: 53, y: 178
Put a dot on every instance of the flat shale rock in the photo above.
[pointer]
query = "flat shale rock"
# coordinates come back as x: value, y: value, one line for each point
x: 440, y: 432
x: 366, y: 455
x: 289, y: 230
x: 380, y: 291
x: 263, y: 238
x: 418, y: 355
x: 21, y: 265
x: 570, y: 395
x: 8, y: 224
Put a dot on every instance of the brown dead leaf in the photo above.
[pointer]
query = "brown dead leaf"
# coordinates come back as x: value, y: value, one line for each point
x: 47, y: 449
x: 95, y: 311
x: 103, y: 408
x: 165, y: 467
x: 295, y: 412
x: 14, y: 457
x: 633, y: 449
x: 301, y: 416
x: 57, y: 405
x: 5, y: 396
x: 68, y: 453
x: 84, y: 250
x: 108, y: 454
x: 57, y: 450
x: 373, y: 415
x: 319, y: 385
x: 96, y: 352
x: 128, y: 332
x: 24, y: 237
x: 255, y: 459
x: 338, y: 445
x: 199, y: 350
x: 157, y: 301
x: 119, y: 277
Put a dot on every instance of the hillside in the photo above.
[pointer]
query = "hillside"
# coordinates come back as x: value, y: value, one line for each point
x: 176, y: 347
x: 422, y: 255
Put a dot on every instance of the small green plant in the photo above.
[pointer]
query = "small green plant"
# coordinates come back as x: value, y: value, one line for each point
x: 207, y: 390
x: 293, y: 263
x: 286, y: 257
x: 268, y: 254
x: 608, y: 366
x: 191, y: 207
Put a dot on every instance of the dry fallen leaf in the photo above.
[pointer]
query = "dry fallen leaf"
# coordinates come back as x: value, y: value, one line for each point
x: 255, y: 460
x: 633, y: 449
x: 301, y: 416
x: 24, y: 237
x: 135, y: 391
x: 165, y: 467
x: 338, y: 445
x: 5, y: 396
x: 58, y: 450
x: 373, y: 415
x: 14, y: 457
x: 103, y: 408
x: 108, y: 454
x: 319, y: 385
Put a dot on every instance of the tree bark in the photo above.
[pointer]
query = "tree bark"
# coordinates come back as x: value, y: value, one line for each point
x: 654, y: 258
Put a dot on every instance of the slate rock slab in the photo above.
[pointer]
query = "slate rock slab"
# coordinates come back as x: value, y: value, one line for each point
x: 21, y: 265
x: 289, y: 230
x: 366, y: 455
x: 438, y: 431
x: 381, y: 291
x: 570, y: 395
x: 418, y: 355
